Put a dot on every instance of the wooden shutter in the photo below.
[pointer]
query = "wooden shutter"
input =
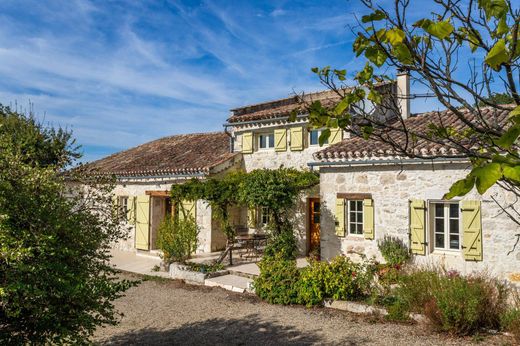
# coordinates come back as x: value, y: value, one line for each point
x: 417, y: 227
x: 251, y: 217
x: 280, y: 139
x: 471, y: 230
x: 368, y: 218
x: 336, y: 136
x: 296, y: 138
x: 340, y: 217
x: 247, y: 142
x: 142, y: 222
x: 130, y: 214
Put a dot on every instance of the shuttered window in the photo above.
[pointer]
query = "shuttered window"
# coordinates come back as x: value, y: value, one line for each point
x: 314, y: 137
x: 266, y: 140
x: 354, y: 218
x: 445, y: 225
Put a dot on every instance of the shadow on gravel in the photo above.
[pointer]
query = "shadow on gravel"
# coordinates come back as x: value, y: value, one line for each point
x: 250, y: 330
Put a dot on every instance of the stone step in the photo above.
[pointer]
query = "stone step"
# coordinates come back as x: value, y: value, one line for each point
x: 230, y: 282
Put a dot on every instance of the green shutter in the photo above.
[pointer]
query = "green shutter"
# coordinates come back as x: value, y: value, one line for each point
x: 251, y: 217
x: 417, y: 227
x: 296, y: 138
x: 247, y: 142
x: 336, y: 135
x: 280, y: 139
x: 368, y: 218
x: 142, y: 222
x: 340, y: 217
x: 471, y: 230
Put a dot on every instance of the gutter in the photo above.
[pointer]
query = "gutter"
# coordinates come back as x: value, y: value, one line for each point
x: 263, y: 120
x: 163, y: 177
x: 390, y: 162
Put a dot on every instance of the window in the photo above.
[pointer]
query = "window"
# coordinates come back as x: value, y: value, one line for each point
x: 314, y: 136
x: 266, y: 141
x: 445, y: 225
x: 354, y: 219
x: 265, y: 216
x: 123, y: 207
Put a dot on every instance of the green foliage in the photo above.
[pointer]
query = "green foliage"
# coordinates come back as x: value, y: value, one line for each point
x: 56, y: 282
x: 205, y: 268
x: 339, y: 279
x: 177, y: 238
x: 283, y: 244
x: 510, y: 321
x: 393, y: 250
x: 453, y: 303
x: 277, y: 280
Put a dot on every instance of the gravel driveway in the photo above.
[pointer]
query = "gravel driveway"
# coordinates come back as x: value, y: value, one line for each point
x: 168, y: 312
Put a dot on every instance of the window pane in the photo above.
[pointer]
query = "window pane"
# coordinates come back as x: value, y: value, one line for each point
x: 360, y: 217
x: 359, y: 228
x: 454, y: 210
x: 352, y: 205
x: 316, y: 218
x: 314, y: 137
x: 271, y: 141
x: 439, y: 225
x: 454, y: 226
x: 316, y: 207
x: 439, y: 209
x: 454, y: 242
x: 262, y: 141
x: 439, y: 240
x: 359, y: 205
x: 353, y: 217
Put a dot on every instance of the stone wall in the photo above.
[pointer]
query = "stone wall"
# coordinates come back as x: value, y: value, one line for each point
x: 209, y: 239
x: 391, y: 188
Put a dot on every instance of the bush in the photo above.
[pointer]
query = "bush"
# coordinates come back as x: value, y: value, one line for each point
x: 393, y: 250
x: 283, y: 244
x: 277, y: 280
x: 510, y: 319
x: 177, y: 239
x: 341, y: 279
x: 453, y: 303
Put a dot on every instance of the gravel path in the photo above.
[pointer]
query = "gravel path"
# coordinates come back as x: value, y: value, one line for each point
x: 168, y: 312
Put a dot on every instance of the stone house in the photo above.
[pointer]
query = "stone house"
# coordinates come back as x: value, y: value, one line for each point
x: 146, y: 173
x: 369, y: 191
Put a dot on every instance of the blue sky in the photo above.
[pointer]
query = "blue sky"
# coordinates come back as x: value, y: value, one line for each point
x: 120, y: 73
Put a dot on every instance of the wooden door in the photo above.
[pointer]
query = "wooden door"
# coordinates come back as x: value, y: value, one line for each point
x: 314, y: 225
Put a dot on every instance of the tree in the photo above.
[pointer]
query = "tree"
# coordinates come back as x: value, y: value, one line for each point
x: 430, y: 49
x: 56, y: 285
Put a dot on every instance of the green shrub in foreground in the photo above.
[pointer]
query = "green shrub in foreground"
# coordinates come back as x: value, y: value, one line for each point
x: 393, y: 250
x: 454, y: 304
x: 177, y: 239
x: 277, y: 280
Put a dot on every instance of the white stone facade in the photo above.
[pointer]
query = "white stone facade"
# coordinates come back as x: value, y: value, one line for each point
x: 391, y: 187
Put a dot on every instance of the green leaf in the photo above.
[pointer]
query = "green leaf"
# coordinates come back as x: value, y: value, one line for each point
x: 487, y: 176
x: 402, y: 53
x: 493, y: 8
x: 375, y: 96
x: 315, y: 69
x: 497, y: 55
x: 293, y: 115
x: 324, y: 136
x: 365, y: 74
x: 460, y: 187
x: 367, y: 131
x: 512, y: 173
x: 360, y: 44
x: 375, y: 55
x: 395, y: 36
x: 373, y: 17
x: 502, y: 27
x: 441, y: 30
x: 341, y: 106
x: 509, y: 137
x: 515, y: 112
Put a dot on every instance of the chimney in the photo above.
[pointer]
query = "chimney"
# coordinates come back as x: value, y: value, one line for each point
x: 403, y: 93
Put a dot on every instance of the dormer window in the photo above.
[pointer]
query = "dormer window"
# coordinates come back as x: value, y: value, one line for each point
x: 314, y: 137
x: 266, y: 140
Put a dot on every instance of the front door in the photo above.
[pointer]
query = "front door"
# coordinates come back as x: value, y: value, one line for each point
x: 314, y: 226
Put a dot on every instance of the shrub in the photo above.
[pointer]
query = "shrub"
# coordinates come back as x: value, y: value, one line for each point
x: 510, y: 319
x: 283, y: 244
x: 177, y: 239
x: 341, y: 279
x: 393, y: 250
x: 453, y: 303
x: 277, y: 280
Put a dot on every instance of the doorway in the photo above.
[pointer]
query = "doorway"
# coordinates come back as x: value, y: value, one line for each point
x: 314, y: 226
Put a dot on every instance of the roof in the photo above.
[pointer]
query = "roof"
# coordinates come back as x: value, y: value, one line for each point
x: 357, y: 148
x: 180, y: 154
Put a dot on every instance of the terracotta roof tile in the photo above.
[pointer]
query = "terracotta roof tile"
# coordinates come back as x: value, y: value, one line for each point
x: 189, y: 153
x: 357, y: 148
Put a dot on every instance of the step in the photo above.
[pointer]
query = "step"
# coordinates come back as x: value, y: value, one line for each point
x: 230, y: 282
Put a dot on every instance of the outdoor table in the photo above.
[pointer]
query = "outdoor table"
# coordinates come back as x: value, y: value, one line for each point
x: 252, y: 243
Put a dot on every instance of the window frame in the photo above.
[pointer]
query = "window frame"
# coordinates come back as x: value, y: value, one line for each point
x: 357, y: 211
x: 318, y: 131
x: 267, y: 135
x: 264, y: 212
x: 122, y: 207
x: 432, y: 231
